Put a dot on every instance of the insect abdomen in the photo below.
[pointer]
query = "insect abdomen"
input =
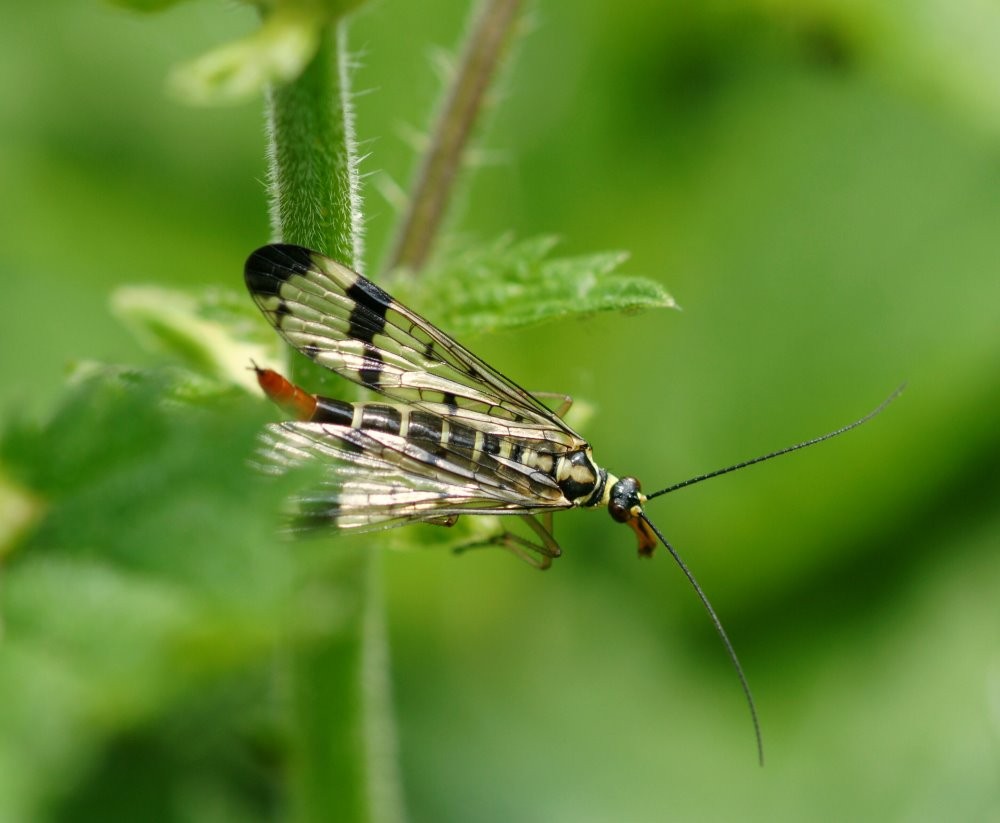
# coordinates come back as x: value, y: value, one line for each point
x: 443, y: 438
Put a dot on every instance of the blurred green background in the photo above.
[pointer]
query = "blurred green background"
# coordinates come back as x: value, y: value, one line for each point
x: 818, y: 184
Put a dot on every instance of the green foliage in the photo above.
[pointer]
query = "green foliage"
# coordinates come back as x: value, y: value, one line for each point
x: 279, y: 50
x: 150, y: 587
x: 507, y: 285
x: 216, y: 332
x: 814, y: 180
x: 276, y: 53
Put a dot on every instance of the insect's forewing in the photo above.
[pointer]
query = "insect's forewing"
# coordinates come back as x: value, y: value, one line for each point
x: 373, y: 479
x: 343, y: 321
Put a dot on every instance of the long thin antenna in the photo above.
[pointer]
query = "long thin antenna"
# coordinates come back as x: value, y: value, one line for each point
x: 722, y: 634
x: 785, y: 450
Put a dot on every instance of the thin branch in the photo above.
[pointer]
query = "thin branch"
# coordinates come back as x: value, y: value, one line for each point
x: 480, y: 59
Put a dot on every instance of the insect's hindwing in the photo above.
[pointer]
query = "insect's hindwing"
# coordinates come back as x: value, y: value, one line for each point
x: 372, y: 477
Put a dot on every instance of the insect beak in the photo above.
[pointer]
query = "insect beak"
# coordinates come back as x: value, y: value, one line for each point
x: 647, y: 539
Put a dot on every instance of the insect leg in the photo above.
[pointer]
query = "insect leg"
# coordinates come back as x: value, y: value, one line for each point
x: 566, y: 401
x: 550, y: 548
x: 539, y: 555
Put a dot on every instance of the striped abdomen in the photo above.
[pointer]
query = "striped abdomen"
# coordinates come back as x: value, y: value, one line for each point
x: 570, y: 478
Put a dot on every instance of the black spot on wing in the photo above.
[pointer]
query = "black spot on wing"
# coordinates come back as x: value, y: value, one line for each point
x: 270, y: 266
x: 367, y: 294
x: 314, y: 514
x: 370, y: 306
x: 370, y: 372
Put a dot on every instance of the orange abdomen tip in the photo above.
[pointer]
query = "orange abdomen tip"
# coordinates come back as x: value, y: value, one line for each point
x: 285, y: 394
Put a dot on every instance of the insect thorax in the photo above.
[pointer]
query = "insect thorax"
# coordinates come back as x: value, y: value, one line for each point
x: 580, y: 479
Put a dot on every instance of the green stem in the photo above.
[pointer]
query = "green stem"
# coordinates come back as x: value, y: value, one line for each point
x: 342, y: 732
x: 481, y: 55
x: 313, y: 168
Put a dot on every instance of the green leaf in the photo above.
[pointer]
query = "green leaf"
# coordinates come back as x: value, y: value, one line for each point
x: 149, y: 586
x: 275, y: 53
x: 215, y: 332
x: 509, y: 284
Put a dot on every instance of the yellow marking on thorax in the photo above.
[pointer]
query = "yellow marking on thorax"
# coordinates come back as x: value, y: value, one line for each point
x: 606, y: 497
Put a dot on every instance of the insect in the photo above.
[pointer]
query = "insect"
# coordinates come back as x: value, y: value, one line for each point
x: 458, y: 437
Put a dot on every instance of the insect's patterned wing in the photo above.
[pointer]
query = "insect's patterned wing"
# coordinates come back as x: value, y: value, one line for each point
x: 373, y: 479
x: 345, y: 322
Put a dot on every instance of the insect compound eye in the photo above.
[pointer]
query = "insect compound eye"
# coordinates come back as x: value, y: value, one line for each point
x: 618, y: 512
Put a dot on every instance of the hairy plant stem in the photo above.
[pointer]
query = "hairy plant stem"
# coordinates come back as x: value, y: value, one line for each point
x: 342, y: 760
x: 481, y: 55
x: 314, y: 189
